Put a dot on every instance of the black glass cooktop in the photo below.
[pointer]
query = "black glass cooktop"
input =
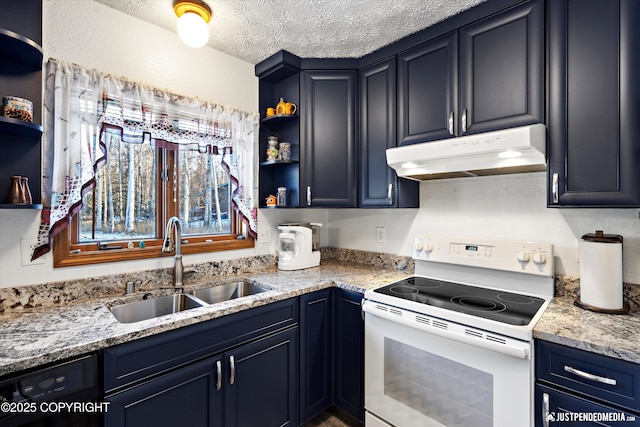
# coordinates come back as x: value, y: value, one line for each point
x: 501, y: 306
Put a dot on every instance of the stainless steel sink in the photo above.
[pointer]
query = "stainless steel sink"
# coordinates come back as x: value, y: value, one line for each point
x: 229, y: 291
x: 155, y: 307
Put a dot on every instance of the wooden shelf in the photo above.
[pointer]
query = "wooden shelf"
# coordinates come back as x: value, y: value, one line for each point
x: 19, y: 127
x: 19, y: 49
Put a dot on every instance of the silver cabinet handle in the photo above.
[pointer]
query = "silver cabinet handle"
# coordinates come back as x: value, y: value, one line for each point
x: 450, y: 124
x: 464, y: 121
x: 554, y: 188
x: 588, y: 376
x: 308, y: 195
x: 545, y: 410
x: 232, y: 364
x: 390, y: 194
x: 219, y: 373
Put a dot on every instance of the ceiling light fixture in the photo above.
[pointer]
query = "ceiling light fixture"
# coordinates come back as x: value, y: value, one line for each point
x: 193, y: 22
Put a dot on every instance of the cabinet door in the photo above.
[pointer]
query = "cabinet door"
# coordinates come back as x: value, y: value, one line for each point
x: 329, y: 129
x: 377, y: 132
x: 186, y: 397
x: 556, y: 408
x: 428, y: 90
x: 502, y: 70
x: 316, y: 353
x: 349, y: 353
x: 594, y: 103
x: 379, y: 184
x: 261, y: 386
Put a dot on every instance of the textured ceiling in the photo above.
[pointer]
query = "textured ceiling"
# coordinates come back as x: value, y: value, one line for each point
x: 253, y: 30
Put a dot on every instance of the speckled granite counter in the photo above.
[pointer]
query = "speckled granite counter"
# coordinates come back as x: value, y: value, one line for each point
x: 608, y: 334
x: 33, y: 337
x: 70, y: 319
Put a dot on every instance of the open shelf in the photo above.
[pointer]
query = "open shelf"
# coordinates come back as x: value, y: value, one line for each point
x: 19, y: 127
x: 12, y: 206
x: 278, y: 162
x: 278, y: 118
x: 20, y: 49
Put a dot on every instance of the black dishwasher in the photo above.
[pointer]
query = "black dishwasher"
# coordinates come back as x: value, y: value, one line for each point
x: 65, y: 394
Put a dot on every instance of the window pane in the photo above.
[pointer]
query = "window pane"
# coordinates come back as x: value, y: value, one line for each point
x: 124, y: 196
x: 204, y: 202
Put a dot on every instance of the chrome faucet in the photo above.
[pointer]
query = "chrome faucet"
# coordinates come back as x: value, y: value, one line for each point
x: 172, y: 240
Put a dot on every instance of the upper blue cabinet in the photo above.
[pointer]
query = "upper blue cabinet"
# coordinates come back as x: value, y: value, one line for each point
x: 485, y: 76
x: 594, y: 103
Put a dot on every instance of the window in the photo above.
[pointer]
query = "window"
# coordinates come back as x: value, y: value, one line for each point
x: 143, y: 157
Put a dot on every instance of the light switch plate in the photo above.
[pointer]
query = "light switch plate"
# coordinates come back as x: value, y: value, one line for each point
x: 26, y: 250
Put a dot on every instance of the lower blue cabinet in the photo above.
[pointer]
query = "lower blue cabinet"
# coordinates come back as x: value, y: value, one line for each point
x: 558, y: 408
x: 252, y: 385
x: 185, y: 397
x: 261, y: 385
x: 331, y: 353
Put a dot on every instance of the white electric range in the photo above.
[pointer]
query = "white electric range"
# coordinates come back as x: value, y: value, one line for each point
x: 452, y: 345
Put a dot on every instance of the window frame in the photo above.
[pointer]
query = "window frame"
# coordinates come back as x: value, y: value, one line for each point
x: 67, y: 251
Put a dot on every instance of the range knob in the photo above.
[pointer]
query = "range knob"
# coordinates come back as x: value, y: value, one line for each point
x: 428, y: 248
x: 539, y: 258
x: 419, y: 246
x: 524, y: 256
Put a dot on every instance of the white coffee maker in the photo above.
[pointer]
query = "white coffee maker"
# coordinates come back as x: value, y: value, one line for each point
x: 298, y: 246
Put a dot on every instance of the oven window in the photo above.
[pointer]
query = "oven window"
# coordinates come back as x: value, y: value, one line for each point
x: 449, y: 392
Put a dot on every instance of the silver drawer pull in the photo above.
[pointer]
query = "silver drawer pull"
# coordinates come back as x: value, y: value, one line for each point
x: 219, y: 374
x: 232, y: 363
x: 589, y: 376
x: 450, y: 123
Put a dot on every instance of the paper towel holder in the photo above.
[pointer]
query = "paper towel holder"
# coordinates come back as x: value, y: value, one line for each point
x: 600, y: 237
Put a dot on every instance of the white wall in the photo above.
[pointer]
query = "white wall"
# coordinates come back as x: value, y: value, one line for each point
x: 510, y: 207
x: 504, y: 207
x: 96, y: 36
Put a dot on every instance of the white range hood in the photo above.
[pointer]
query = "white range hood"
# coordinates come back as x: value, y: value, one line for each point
x: 515, y: 150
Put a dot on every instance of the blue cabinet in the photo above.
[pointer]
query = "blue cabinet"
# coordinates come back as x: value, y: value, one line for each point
x: 349, y: 353
x: 486, y: 76
x: 570, y: 381
x: 379, y: 185
x: 238, y: 370
x: 184, y: 397
x: 331, y: 353
x: 329, y: 135
x: 594, y: 103
x: 316, y: 353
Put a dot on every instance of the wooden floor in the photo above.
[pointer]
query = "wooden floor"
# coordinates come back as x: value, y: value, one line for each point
x: 332, y: 418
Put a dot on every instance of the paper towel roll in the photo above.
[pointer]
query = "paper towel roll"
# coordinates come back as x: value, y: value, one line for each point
x: 601, y: 275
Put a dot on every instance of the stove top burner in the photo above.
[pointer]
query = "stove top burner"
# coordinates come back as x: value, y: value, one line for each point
x: 506, y: 307
x: 479, y: 303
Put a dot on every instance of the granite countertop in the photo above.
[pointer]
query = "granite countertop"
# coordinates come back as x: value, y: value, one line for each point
x: 612, y: 335
x: 35, y: 337
x: 38, y: 336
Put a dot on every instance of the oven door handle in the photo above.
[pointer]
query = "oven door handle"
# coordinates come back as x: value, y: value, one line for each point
x: 520, y: 350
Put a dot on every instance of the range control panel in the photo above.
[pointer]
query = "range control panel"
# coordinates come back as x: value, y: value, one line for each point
x: 510, y: 255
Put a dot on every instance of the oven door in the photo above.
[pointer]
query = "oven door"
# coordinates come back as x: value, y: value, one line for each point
x: 424, y: 371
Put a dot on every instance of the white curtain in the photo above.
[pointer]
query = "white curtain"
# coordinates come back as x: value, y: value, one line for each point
x: 82, y: 105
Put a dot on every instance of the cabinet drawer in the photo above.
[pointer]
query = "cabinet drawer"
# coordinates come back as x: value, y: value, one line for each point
x: 610, y: 380
x: 133, y: 361
x: 563, y: 409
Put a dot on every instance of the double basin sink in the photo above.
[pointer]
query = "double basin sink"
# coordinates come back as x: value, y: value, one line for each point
x: 160, y: 306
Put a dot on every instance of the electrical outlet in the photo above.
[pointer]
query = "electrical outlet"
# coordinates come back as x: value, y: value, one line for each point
x: 380, y: 235
x: 26, y: 250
